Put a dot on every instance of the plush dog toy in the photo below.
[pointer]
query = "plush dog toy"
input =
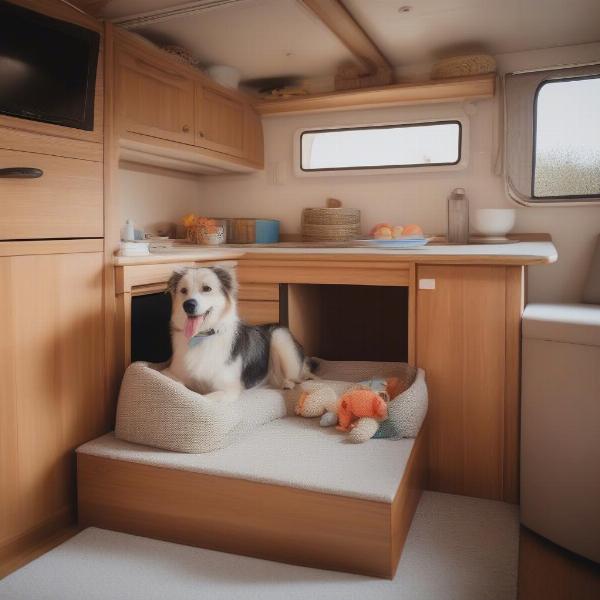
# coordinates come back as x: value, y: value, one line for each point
x: 358, y: 410
x: 358, y: 403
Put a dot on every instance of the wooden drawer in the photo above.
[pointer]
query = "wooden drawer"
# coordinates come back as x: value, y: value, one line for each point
x: 65, y: 202
x: 259, y: 291
x: 258, y: 312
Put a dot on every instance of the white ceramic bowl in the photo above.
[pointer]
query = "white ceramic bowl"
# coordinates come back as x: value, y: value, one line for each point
x: 225, y: 75
x: 495, y: 222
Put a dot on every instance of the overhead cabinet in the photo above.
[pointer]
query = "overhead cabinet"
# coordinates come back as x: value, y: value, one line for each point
x: 166, y: 108
x: 219, y: 121
x: 155, y: 98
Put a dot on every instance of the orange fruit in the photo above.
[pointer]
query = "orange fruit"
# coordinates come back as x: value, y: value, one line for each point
x: 412, y: 230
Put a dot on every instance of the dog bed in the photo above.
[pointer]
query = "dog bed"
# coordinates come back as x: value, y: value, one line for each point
x: 157, y: 411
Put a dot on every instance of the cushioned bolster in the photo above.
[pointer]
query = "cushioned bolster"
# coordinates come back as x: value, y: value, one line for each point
x: 571, y: 323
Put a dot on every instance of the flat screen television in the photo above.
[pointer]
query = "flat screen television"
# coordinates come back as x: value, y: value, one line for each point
x: 47, y: 68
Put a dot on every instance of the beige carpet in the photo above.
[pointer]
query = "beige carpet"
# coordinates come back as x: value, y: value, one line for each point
x: 458, y: 549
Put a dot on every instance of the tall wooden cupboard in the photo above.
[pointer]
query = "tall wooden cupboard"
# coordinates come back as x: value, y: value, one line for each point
x: 52, y: 319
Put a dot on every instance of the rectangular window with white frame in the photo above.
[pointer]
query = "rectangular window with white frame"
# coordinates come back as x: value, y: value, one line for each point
x: 382, y: 148
x: 552, y: 136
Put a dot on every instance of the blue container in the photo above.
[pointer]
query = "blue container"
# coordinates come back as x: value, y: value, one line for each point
x: 267, y: 231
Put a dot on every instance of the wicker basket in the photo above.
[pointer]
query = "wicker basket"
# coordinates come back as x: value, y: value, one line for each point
x: 330, y: 224
x: 200, y: 235
x: 462, y: 66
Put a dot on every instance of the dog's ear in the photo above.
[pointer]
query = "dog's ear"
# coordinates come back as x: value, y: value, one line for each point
x: 174, y: 280
x: 227, y: 279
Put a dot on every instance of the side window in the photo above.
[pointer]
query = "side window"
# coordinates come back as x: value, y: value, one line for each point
x: 396, y: 146
x: 566, y: 144
x: 552, y: 136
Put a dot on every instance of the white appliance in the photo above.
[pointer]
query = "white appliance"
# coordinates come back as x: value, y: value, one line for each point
x: 560, y: 425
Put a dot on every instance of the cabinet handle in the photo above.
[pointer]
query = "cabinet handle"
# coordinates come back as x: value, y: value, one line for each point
x: 20, y: 173
x: 201, y: 133
x: 185, y: 128
x: 148, y: 65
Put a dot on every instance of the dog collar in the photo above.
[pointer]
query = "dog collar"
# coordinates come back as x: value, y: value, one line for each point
x: 197, y: 339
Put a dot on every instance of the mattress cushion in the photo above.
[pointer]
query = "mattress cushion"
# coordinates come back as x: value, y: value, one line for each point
x: 570, y: 323
x: 293, y: 452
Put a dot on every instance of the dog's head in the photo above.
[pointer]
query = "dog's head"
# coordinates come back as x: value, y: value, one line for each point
x: 201, y: 298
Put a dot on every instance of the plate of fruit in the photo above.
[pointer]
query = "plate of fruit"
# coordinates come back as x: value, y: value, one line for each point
x: 396, y: 236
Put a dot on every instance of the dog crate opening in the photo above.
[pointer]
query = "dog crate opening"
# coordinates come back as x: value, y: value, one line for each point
x: 150, y: 332
x: 335, y: 322
x: 349, y: 322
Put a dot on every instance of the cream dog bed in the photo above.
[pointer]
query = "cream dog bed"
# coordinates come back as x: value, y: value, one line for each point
x: 154, y: 410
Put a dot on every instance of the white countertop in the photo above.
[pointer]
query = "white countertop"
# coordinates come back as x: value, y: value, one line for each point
x: 522, y: 252
x: 181, y: 254
x: 543, y: 250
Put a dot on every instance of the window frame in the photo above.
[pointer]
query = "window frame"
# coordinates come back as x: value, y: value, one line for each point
x: 460, y: 163
x: 552, y: 199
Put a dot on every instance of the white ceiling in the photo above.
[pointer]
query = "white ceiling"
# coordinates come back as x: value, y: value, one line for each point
x: 262, y: 38
x: 269, y: 38
x: 438, y: 28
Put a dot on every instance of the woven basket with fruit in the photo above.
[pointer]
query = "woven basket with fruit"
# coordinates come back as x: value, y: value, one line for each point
x: 202, y: 230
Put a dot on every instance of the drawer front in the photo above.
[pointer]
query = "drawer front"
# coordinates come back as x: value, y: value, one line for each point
x: 258, y: 312
x: 259, y: 291
x: 65, y: 202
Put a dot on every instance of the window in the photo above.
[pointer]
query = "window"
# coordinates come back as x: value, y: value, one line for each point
x: 566, y: 143
x: 381, y: 147
x: 552, y: 137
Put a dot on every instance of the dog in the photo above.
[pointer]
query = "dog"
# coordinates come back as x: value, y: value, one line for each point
x: 216, y: 353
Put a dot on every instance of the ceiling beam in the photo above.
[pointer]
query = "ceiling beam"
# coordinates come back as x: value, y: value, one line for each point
x: 178, y: 11
x: 91, y: 7
x: 337, y: 18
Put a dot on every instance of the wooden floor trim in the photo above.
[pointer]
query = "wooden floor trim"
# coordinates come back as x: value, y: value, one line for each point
x: 26, y: 547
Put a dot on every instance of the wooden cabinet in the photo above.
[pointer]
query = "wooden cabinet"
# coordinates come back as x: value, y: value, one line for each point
x: 64, y: 12
x: 170, y: 114
x: 219, y: 121
x: 65, y: 202
x: 155, y: 98
x: 51, y: 387
x: 253, y: 139
x: 467, y: 341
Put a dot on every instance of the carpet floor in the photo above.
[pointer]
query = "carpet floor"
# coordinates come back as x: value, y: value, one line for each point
x: 458, y: 548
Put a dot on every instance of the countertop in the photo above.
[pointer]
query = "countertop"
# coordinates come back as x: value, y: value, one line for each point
x: 529, y: 250
x: 181, y: 254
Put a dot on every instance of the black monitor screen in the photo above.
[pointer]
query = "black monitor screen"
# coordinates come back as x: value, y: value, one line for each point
x: 47, y: 68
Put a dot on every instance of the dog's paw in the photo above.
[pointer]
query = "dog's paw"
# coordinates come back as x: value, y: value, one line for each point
x: 288, y: 384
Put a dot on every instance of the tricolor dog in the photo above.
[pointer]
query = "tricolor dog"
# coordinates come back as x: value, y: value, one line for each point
x: 214, y: 352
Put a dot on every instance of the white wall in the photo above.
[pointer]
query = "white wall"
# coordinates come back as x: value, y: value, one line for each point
x: 401, y: 198
x: 153, y: 197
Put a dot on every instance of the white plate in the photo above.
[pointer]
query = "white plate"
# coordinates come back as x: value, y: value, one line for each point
x: 399, y: 243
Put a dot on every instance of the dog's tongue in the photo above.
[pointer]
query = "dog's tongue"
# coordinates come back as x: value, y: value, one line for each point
x: 191, y: 326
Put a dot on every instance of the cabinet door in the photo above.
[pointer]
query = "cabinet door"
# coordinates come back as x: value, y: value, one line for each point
x: 220, y: 121
x: 51, y: 385
x: 253, y: 141
x: 461, y: 333
x: 154, y: 97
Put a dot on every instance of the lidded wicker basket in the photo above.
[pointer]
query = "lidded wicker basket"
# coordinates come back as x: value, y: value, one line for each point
x: 331, y: 224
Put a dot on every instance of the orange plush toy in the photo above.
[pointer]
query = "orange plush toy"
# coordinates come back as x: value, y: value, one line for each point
x: 359, y: 403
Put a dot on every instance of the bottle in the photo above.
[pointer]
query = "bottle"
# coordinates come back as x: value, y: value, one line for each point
x: 458, y: 217
x: 128, y: 231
